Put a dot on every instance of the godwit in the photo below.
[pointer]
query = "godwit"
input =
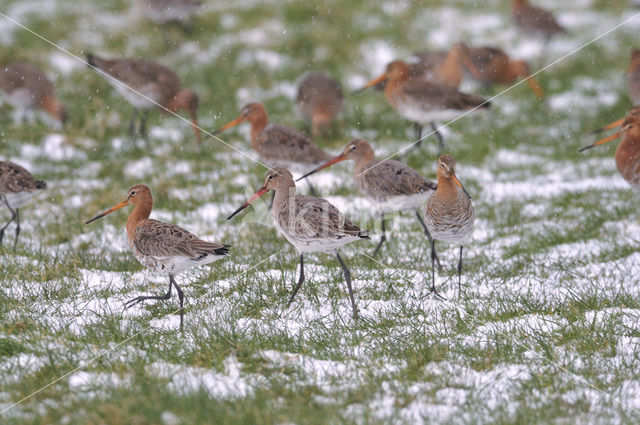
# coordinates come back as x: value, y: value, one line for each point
x: 421, y: 101
x: 17, y: 186
x: 390, y: 185
x: 26, y: 87
x: 309, y: 224
x: 633, y: 115
x: 449, y: 215
x: 278, y: 145
x: 164, y: 11
x: 628, y: 150
x: 494, y: 66
x: 534, y: 20
x: 634, y: 76
x: 160, y: 86
x: 445, y: 68
x: 320, y: 100
x: 161, y: 247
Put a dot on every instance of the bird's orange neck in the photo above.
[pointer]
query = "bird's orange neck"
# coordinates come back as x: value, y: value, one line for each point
x: 447, y: 189
x: 141, y: 211
x: 258, y: 124
x: 450, y: 72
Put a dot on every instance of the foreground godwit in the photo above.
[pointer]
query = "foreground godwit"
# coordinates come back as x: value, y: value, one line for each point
x: 634, y: 76
x: 310, y: 224
x: 628, y: 151
x: 17, y: 186
x: 161, y: 247
x: 390, y: 185
x: 145, y: 85
x: 319, y: 100
x: 449, y: 215
x: 421, y: 101
x: 494, y: 66
x: 163, y: 11
x: 534, y: 20
x: 26, y: 87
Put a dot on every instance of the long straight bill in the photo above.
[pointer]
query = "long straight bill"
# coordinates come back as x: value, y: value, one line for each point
x: 109, y: 211
x: 329, y: 163
x: 258, y: 194
x: 601, y: 142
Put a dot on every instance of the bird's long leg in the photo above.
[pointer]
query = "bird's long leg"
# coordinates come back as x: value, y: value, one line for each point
x: 418, y: 129
x: 460, y: 273
x: 181, y: 298
x: 142, y: 298
x: 433, y: 269
x: 434, y: 128
x: 15, y: 242
x: 382, y: 239
x: 132, y: 124
x: 426, y: 232
x: 13, y: 216
x: 143, y: 123
x: 300, y: 280
x: 347, y: 278
x: 311, y: 189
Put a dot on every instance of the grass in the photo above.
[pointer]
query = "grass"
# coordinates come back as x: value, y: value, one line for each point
x: 549, y: 300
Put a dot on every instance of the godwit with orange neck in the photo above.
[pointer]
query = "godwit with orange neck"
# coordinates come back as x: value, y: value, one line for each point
x: 319, y: 100
x: 310, y: 224
x: 161, y: 247
x: 634, y: 77
x: 628, y: 151
x: 390, y: 185
x: 146, y: 85
x: 494, y: 66
x: 421, y: 101
x: 534, y: 20
x: 278, y: 145
x: 26, y: 87
x: 17, y: 187
x: 633, y: 115
x: 449, y: 215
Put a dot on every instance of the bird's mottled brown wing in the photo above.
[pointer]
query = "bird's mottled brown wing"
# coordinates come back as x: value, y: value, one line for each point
x: 427, y: 95
x: 533, y: 18
x: 14, y: 179
x: 285, y: 143
x: 316, y: 218
x: 385, y: 179
x: 139, y: 73
x: 157, y: 239
x: 20, y: 75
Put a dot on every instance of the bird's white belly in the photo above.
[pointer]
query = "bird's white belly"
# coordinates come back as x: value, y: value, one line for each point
x: 17, y: 200
x: 144, y: 98
x: 419, y: 115
x: 329, y: 244
x: 172, y: 265
x: 21, y: 98
x: 452, y: 231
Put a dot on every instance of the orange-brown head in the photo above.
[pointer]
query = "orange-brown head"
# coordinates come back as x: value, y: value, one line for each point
x: 254, y: 113
x: 187, y: 100
x: 396, y: 71
x: 275, y: 179
x: 446, y: 173
x: 358, y: 150
x: 137, y: 194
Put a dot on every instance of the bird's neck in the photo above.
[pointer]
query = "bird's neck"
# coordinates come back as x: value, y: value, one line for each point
x: 141, y: 212
x: 284, y: 193
x: 257, y: 125
x: 447, y: 190
x: 364, y: 162
x: 450, y: 73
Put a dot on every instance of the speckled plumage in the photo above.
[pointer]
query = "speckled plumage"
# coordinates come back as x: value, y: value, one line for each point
x: 17, y: 187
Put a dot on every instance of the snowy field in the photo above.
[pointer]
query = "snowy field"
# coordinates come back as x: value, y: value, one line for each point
x: 546, y: 330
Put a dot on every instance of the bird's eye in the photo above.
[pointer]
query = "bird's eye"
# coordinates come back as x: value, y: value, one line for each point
x: 353, y: 148
x: 133, y: 192
x: 442, y: 165
x: 271, y: 177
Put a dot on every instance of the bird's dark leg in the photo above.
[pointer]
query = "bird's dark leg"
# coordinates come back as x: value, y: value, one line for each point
x: 181, y: 298
x: 460, y: 272
x: 382, y: 239
x: 418, y: 129
x: 311, y: 189
x: 300, y: 280
x: 434, y: 128
x: 132, y: 124
x: 433, y: 269
x: 15, y: 242
x: 347, y: 278
x: 13, y: 216
x: 426, y: 232
x: 142, y: 298
x: 143, y: 123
